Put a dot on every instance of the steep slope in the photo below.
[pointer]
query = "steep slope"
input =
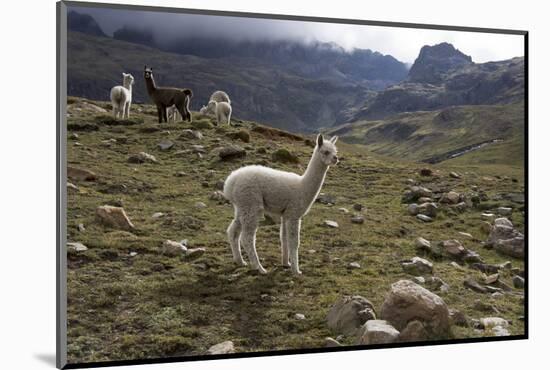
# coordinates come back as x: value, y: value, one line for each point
x: 443, y: 76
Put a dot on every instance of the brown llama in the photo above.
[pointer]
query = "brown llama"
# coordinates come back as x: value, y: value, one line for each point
x: 165, y: 97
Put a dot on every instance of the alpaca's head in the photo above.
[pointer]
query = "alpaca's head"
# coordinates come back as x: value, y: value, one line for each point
x: 212, y: 106
x: 127, y: 79
x: 326, y: 150
x: 147, y: 73
x: 204, y: 109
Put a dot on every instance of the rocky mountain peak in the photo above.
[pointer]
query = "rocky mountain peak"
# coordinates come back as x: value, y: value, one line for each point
x: 434, y: 61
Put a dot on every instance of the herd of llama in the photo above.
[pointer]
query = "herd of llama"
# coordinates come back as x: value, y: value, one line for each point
x: 252, y: 190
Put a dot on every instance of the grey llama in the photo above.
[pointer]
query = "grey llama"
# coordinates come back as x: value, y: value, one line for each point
x: 255, y: 190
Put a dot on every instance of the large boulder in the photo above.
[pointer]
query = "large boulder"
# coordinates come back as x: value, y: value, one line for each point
x: 408, y: 301
x: 377, y: 332
x: 348, y: 314
x: 505, y: 239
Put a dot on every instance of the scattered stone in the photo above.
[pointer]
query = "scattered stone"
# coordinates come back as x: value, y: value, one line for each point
x: 284, y: 156
x: 326, y: 199
x: 488, y: 216
x: 343, y: 210
x: 242, y: 135
x: 514, y: 247
x: 358, y: 219
x: 191, y: 134
x: 231, y: 152
x: 77, y: 247
x: 377, y: 332
x: 504, y: 211
x: 470, y: 283
x: 491, y: 279
x: 486, y: 227
x: 450, y: 198
x: 194, y: 252
x: 218, y: 197
x: 472, y: 257
x: 414, y: 193
x: 424, y: 218
x: 413, y: 209
x: 499, y: 331
x: 222, y: 348
x: 426, y: 172
x: 330, y: 342
x: 79, y: 174
x: 423, y: 244
x: 467, y: 235
x: 484, y: 307
x: 180, y: 174
x: 358, y: 207
x: 486, y: 268
x: 200, y: 205
x: 142, y: 157
x: 114, y: 217
x: 354, y: 265
x: 518, y: 281
x: 408, y: 301
x: 491, y: 322
x: 165, y: 145
x: 157, y: 215
x: 332, y: 224
x: 454, y: 248
x: 81, y: 228
x: 454, y: 175
x: 413, y: 332
x: 348, y: 314
x: 422, y: 200
x: 428, y: 209
x: 133, y: 254
x: 417, y: 266
x: 460, y: 207
x: 172, y: 248
x: 458, y: 318
x: 456, y: 266
x: 419, y: 280
x: 300, y: 316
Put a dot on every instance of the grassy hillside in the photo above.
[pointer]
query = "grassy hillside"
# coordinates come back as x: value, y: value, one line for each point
x: 421, y: 135
x: 128, y: 299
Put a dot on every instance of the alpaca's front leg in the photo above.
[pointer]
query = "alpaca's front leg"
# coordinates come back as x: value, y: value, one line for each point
x: 128, y: 110
x: 284, y: 244
x: 293, y: 237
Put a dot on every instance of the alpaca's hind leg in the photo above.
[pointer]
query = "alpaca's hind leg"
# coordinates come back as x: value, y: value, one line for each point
x: 114, y: 111
x: 248, y: 239
x: 234, y: 233
x: 284, y: 245
x: 127, y: 110
x: 293, y: 237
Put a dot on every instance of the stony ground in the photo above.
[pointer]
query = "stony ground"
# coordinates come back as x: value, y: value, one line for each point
x: 128, y: 298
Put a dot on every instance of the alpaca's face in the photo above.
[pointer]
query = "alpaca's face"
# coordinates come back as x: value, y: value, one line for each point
x: 328, y: 152
x: 128, y: 79
x: 148, y: 73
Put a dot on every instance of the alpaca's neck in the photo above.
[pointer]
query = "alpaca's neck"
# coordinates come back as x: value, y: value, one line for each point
x: 128, y: 86
x: 313, y: 178
x: 151, y: 86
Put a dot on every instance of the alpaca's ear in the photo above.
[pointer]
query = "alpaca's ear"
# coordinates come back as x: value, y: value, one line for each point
x: 319, y: 140
x: 334, y: 139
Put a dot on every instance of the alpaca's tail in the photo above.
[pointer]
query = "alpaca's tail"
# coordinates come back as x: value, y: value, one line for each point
x: 118, y: 97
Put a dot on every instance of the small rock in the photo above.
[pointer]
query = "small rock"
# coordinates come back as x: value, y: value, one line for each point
x: 326, y: 199
x: 504, y: 211
x: 518, y: 281
x: 486, y: 227
x: 172, y: 248
x: 200, y: 205
x: 354, y: 265
x: 157, y: 215
x: 349, y: 313
x: 487, y: 216
x: 285, y: 156
x: 191, y: 134
x: 377, y: 332
x: 484, y: 307
x: 503, y: 221
x: 458, y: 318
x: 114, y: 217
x: 456, y: 265
x: 165, y: 145
x: 142, y: 157
x: 454, y: 175
x: 194, y: 252
x: 79, y: 174
x: 491, y: 279
x: 470, y: 283
x: 330, y: 342
x: 417, y: 266
x: 81, y: 228
x: 424, y: 218
x: 358, y: 219
x: 72, y: 187
x: 299, y: 316
x: 358, y: 207
x: 332, y: 224
x: 428, y: 209
x: 491, y: 322
x: 231, y: 152
x: 218, y: 196
x: 413, y: 332
x: 454, y: 248
x: 413, y: 209
x: 450, y: 198
x: 133, y: 254
x: 423, y: 244
x: 76, y: 246
x: 499, y: 331
x: 467, y: 235
x: 222, y: 348
x: 343, y: 210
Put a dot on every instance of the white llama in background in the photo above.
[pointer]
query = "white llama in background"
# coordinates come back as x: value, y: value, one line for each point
x: 220, y: 96
x: 173, y: 114
x: 121, y: 96
x: 221, y: 110
x: 254, y: 190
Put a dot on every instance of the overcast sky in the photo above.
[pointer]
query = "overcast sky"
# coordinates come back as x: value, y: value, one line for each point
x: 402, y: 43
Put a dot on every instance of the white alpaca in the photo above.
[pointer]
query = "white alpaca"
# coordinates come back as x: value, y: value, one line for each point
x: 172, y: 114
x: 254, y: 190
x: 220, y: 96
x: 221, y: 110
x: 121, y: 96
